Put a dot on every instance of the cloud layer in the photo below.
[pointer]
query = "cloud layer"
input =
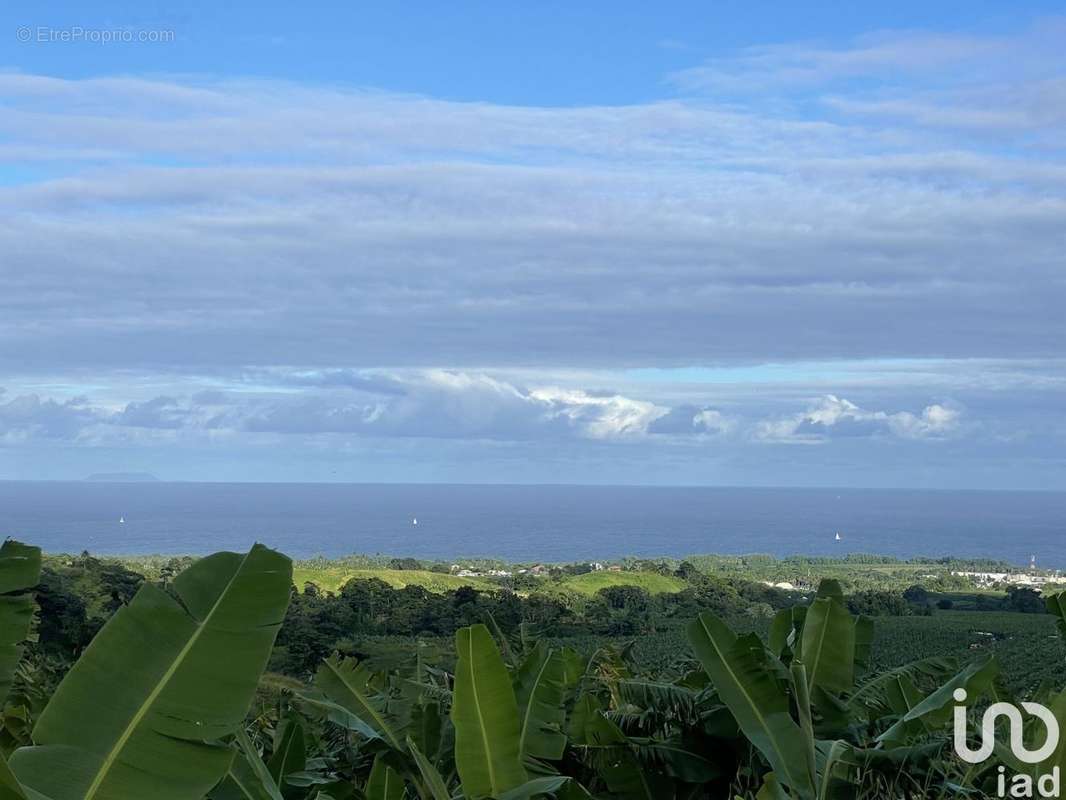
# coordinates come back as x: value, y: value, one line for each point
x: 440, y: 404
x: 799, y: 202
x: 206, y: 264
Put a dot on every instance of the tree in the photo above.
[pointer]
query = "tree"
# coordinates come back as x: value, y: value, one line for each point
x: 1024, y: 600
x: 628, y: 598
x: 917, y: 595
x: 687, y: 571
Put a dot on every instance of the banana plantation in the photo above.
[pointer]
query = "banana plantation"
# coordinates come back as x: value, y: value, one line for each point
x: 169, y: 702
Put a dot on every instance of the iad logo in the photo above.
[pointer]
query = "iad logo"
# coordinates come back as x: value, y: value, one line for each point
x: 1020, y: 785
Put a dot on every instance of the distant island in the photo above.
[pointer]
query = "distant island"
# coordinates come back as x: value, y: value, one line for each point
x: 123, y: 477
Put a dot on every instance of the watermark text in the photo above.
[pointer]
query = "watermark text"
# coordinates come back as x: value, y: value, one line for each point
x: 77, y: 34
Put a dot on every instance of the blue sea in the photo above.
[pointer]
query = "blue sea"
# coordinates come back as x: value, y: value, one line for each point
x: 523, y: 523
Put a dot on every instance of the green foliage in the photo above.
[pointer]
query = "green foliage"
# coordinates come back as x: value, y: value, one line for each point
x: 76, y: 597
x: 20, y: 570
x: 827, y: 646
x: 741, y: 670
x: 1056, y: 606
x: 168, y: 675
x: 384, y: 783
x: 485, y: 715
x: 540, y: 689
x: 541, y: 701
x: 1024, y: 600
x: 651, y: 582
x: 333, y: 579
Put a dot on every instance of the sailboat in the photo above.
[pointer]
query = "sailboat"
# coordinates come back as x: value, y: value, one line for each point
x: 122, y: 520
x: 414, y: 520
x: 838, y: 537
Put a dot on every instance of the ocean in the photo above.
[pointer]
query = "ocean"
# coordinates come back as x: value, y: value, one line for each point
x: 527, y: 523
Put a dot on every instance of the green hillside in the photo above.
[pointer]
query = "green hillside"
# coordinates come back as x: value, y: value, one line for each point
x: 651, y: 582
x: 331, y: 579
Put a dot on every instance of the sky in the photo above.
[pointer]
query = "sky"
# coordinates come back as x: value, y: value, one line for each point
x: 724, y: 244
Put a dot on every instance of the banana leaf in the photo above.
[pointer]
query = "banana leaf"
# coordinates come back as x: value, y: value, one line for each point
x: 830, y: 588
x: 828, y: 645
x: 936, y: 708
x: 248, y: 777
x: 873, y: 696
x: 540, y: 691
x: 574, y: 665
x: 613, y: 755
x: 346, y: 683
x: 10, y: 789
x: 142, y: 711
x: 290, y: 751
x: 1056, y: 605
x: 434, y: 783
x: 772, y: 789
x: 485, y: 716
x: 426, y: 727
x: 20, y: 571
x: 741, y: 672
x: 384, y: 782
x: 784, y: 628
x: 676, y: 758
x: 536, y: 788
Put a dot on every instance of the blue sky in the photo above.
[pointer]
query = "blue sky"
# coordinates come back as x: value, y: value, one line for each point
x: 728, y: 244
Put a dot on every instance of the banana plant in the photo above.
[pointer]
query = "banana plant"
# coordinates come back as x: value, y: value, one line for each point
x: 144, y: 711
x: 787, y: 694
x: 488, y: 749
x: 540, y: 687
x: 20, y: 571
x: 753, y: 685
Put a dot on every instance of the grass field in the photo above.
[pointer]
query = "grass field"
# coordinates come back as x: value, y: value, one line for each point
x: 651, y: 582
x: 331, y: 579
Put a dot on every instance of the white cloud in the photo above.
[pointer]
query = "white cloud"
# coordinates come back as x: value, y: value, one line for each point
x: 935, y: 420
x: 833, y: 416
x: 439, y: 404
x: 712, y: 421
x: 444, y: 404
x: 599, y: 416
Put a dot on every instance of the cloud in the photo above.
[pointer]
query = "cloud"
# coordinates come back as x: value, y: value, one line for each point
x: 691, y: 420
x: 439, y: 404
x: 834, y: 416
x: 160, y: 412
x: 226, y: 264
x: 261, y: 223
x: 30, y: 417
x: 450, y: 404
x: 884, y: 54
